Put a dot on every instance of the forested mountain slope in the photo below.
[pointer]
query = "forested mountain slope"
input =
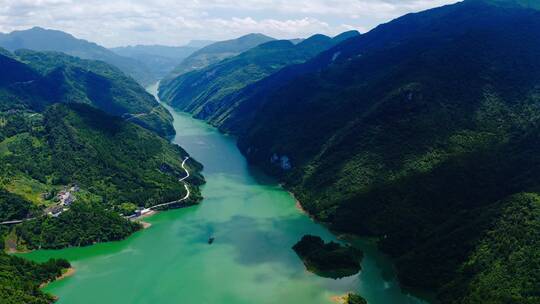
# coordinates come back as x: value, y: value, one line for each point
x: 423, y: 132
x: 209, y: 93
x: 40, y: 39
x: 20, y: 279
x: 38, y: 79
x: 111, y: 161
x: 216, y: 52
x: 52, y: 139
x: 53, y: 142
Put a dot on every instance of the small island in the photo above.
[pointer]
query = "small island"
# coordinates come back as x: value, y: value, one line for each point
x: 329, y: 260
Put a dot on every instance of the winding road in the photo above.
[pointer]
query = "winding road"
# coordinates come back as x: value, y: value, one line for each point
x: 188, y: 193
x: 133, y: 116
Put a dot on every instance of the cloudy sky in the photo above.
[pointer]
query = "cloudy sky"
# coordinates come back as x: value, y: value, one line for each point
x: 175, y: 22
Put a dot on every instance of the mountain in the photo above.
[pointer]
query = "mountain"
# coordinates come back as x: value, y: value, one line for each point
x: 40, y: 39
x: 209, y: 93
x: 159, y: 59
x: 110, y: 161
x: 218, y: 51
x: 103, y: 160
x: 60, y: 155
x: 38, y: 79
x: 199, y: 44
x: 514, y: 3
x: 422, y: 133
x: 52, y: 136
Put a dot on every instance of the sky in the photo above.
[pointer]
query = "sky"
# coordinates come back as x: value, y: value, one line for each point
x: 175, y: 22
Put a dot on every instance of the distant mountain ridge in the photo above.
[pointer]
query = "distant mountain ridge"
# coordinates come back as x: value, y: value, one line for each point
x: 159, y: 59
x: 218, y: 51
x: 40, y: 39
x: 209, y: 93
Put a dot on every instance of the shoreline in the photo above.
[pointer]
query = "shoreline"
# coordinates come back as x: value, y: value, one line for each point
x: 299, y: 206
x: 145, y: 225
x: 68, y: 273
x: 340, y: 299
x: 140, y: 219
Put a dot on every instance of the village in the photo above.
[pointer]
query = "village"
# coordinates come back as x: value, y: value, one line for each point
x: 65, y: 198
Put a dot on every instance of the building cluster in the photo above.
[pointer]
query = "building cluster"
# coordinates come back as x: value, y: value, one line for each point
x: 66, y: 197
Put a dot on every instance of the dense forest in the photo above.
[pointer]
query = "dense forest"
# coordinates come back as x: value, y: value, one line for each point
x: 331, y: 259
x: 112, y: 162
x: 215, y: 52
x: 423, y: 133
x: 82, y: 225
x: 82, y: 127
x: 209, y: 93
x: 35, y: 80
x: 47, y: 148
x: 20, y: 279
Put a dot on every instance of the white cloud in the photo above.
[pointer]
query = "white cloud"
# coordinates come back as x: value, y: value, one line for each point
x: 121, y: 22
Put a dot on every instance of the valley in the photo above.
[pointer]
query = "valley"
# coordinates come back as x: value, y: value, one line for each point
x: 254, y: 222
x: 398, y: 164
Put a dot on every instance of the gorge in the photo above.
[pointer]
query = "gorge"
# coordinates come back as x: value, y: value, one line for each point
x: 254, y: 223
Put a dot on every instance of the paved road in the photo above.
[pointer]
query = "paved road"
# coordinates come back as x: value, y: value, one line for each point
x: 182, y: 180
x: 13, y: 222
x: 133, y: 116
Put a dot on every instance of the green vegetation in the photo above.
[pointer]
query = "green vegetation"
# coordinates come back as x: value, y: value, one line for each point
x: 115, y: 160
x: 211, y: 93
x: 420, y: 133
x: 216, y: 52
x: 20, y: 279
x: 13, y: 207
x: 127, y: 208
x: 57, y: 135
x: 35, y: 80
x: 47, y: 147
x: 503, y: 268
x: 40, y: 39
x: 57, y: 77
x: 112, y: 161
x: 328, y: 260
x: 82, y: 225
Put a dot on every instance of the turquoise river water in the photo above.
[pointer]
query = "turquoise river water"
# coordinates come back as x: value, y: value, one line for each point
x: 254, y: 222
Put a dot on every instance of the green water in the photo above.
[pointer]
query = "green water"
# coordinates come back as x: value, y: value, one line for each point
x: 254, y: 223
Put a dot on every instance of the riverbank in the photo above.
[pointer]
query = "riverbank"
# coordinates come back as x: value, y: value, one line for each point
x: 340, y: 299
x: 140, y: 219
x: 65, y: 274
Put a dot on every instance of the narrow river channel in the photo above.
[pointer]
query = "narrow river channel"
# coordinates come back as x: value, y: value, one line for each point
x: 254, y: 223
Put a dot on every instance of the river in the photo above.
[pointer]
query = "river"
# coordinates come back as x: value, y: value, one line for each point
x: 254, y: 222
